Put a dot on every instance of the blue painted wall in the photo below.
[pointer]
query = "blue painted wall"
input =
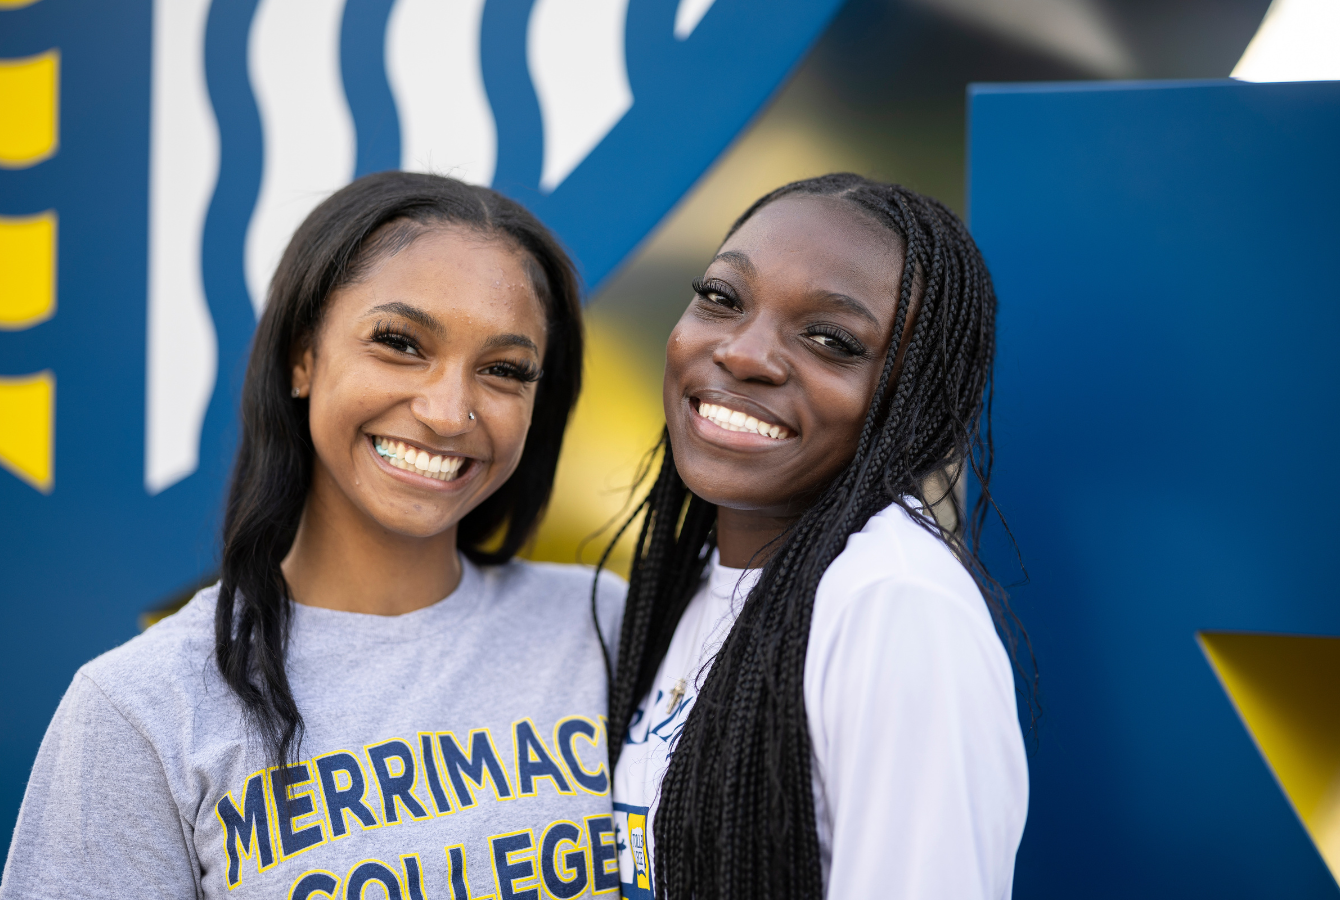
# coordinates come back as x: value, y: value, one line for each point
x: 1167, y: 416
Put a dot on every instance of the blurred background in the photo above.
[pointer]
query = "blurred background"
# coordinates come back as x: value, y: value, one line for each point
x: 882, y: 94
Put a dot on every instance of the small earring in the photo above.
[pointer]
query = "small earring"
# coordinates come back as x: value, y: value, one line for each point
x: 296, y: 393
x: 472, y: 417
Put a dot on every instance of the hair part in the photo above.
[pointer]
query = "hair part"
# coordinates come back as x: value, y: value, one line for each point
x: 342, y: 242
x: 736, y: 816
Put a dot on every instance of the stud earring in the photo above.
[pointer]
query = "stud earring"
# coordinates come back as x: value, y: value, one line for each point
x: 296, y: 393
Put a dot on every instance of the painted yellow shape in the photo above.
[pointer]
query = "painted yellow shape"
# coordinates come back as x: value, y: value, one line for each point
x: 618, y: 419
x: 27, y: 270
x: 16, y: 4
x: 27, y: 420
x: 29, y: 109
x: 1287, y: 692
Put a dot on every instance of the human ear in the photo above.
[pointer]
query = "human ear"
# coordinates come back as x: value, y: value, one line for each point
x: 302, y: 360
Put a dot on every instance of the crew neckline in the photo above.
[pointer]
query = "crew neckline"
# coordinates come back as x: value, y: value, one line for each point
x: 728, y: 583
x: 451, y: 610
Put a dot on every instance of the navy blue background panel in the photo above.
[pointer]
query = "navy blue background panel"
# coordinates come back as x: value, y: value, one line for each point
x: 1166, y: 409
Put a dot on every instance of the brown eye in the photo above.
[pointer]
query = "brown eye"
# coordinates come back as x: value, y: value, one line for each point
x: 836, y: 340
x: 716, y: 293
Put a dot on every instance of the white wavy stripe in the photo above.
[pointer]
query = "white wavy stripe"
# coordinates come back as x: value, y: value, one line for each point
x: 293, y: 58
x: 433, y: 66
x: 687, y: 16
x: 1299, y: 40
x: 182, y: 347
x: 575, y: 52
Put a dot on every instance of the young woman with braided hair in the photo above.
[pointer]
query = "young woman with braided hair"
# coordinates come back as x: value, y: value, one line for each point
x: 812, y: 698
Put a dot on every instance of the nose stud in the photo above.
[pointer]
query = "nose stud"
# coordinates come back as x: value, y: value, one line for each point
x: 472, y: 417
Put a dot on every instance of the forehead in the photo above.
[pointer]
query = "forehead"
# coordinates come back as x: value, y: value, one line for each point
x: 822, y: 243
x: 454, y: 264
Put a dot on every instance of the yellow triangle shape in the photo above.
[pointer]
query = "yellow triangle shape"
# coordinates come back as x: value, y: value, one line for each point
x: 27, y: 419
x: 1287, y: 691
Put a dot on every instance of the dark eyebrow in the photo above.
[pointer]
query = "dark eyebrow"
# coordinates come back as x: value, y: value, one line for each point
x: 512, y: 340
x: 413, y: 313
x: 850, y: 304
x: 740, y: 261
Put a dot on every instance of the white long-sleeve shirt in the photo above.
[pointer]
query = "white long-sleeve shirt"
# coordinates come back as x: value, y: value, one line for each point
x: 920, y: 777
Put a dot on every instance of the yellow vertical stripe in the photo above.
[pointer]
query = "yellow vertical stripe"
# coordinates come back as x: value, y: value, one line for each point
x: 29, y: 109
x: 27, y: 422
x: 27, y: 270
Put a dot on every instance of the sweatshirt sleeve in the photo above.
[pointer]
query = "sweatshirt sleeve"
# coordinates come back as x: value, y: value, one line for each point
x: 921, y: 772
x: 98, y: 819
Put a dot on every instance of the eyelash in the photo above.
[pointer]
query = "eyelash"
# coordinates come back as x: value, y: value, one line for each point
x: 401, y: 340
x: 848, y: 344
x: 522, y: 372
x: 396, y: 338
x: 703, y: 288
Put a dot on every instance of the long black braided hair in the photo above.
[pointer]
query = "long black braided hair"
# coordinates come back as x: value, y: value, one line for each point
x: 736, y: 816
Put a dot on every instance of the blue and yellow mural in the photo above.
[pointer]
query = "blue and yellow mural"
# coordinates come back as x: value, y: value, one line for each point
x: 155, y: 157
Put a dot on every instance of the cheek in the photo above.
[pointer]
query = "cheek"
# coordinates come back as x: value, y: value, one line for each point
x: 511, y: 425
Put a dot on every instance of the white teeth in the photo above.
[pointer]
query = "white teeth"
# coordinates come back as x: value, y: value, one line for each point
x: 420, y: 462
x: 734, y: 420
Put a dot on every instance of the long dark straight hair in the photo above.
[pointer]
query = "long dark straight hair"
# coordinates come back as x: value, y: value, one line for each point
x: 338, y: 244
x: 736, y: 816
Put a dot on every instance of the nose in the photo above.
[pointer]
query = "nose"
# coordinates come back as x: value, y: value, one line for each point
x: 753, y: 352
x: 445, y: 402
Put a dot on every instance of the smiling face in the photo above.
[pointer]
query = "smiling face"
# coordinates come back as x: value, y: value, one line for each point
x: 772, y: 367
x: 448, y: 328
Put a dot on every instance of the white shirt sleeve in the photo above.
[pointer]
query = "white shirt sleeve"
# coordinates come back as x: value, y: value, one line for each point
x: 98, y: 818
x: 921, y: 778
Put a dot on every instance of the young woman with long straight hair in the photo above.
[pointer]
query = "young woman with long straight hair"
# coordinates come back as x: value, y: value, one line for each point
x: 812, y: 697
x: 376, y: 699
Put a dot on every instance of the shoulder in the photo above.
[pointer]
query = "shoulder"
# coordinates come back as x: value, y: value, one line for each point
x: 897, y: 558
x: 559, y: 592
x: 554, y: 581
x: 173, y: 657
x: 897, y: 599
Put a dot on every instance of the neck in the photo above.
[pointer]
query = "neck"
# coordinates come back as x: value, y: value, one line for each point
x: 342, y: 559
x: 746, y: 538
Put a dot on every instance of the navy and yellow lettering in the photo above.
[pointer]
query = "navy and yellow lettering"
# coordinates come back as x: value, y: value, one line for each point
x: 440, y: 798
x: 460, y: 880
x: 290, y: 807
x: 246, y: 830
x: 507, y: 873
x: 396, y: 788
x: 596, y: 782
x: 409, y: 864
x: 533, y: 761
x: 316, y: 882
x: 371, y: 871
x: 565, y: 875
x: 342, y: 800
x: 480, y: 767
x: 603, y: 853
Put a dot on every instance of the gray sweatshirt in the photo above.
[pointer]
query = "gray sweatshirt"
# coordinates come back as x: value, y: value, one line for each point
x: 454, y: 752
